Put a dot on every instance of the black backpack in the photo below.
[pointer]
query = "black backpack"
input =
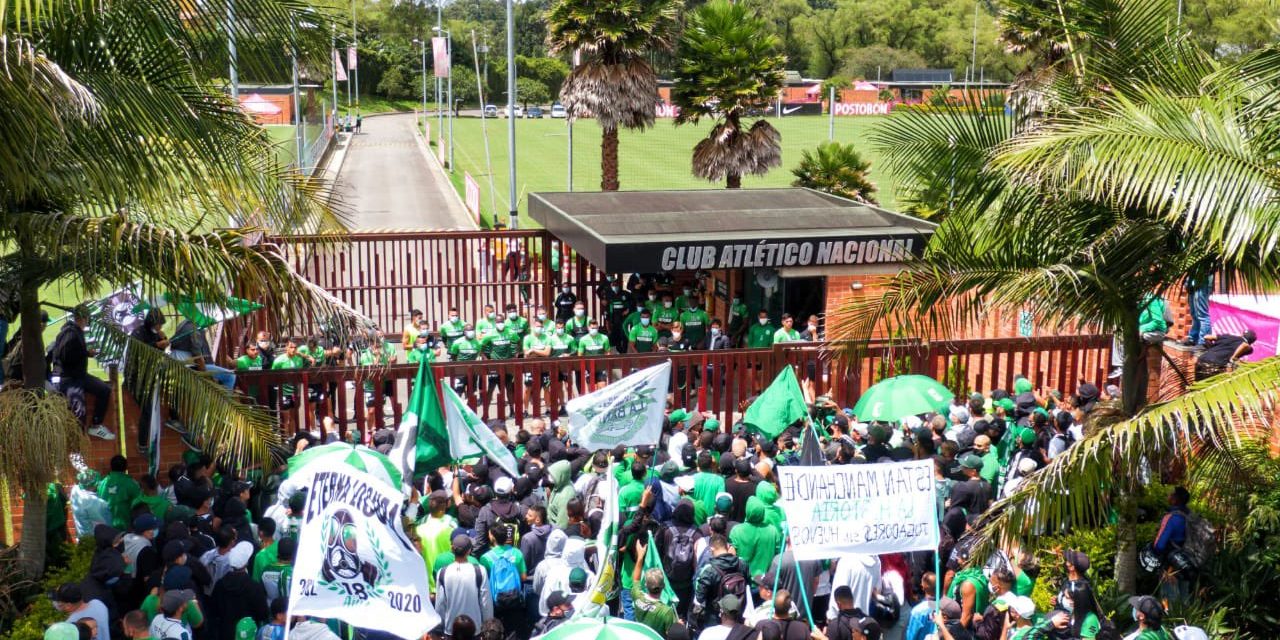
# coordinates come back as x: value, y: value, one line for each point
x: 885, y: 608
x: 727, y: 583
x: 679, y: 560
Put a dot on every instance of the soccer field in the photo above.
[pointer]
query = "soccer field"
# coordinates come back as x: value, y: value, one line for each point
x: 657, y: 158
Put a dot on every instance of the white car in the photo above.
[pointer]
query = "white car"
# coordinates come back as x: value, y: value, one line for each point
x: 558, y: 111
x: 490, y: 111
x: 519, y: 112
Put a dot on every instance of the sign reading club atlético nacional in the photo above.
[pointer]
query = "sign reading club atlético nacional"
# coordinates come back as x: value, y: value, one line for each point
x: 781, y: 253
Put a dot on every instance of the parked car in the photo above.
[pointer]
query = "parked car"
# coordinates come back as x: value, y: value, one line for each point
x: 558, y: 111
x: 490, y: 111
x: 533, y: 112
x: 519, y: 112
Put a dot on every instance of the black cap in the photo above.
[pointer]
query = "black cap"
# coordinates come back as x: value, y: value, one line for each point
x: 173, y: 550
x: 68, y: 594
x: 1148, y: 607
x: 556, y: 599
x: 868, y: 626
x: 1077, y: 559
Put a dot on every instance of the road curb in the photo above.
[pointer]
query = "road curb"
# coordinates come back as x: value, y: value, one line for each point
x: 425, y: 149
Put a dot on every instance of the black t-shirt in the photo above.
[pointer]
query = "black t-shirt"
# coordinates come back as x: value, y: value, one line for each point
x: 740, y: 491
x: 1221, y: 350
x: 787, y: 629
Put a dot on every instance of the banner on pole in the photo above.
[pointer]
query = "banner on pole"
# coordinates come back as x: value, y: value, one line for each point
x: 628, y: 412
x: 355, y: 562
x: 440, y: 56
x: 860, y: 508
x: 339, y: 74
x: 351, y: 57
x: 470, y: 437
x: 473, y: 195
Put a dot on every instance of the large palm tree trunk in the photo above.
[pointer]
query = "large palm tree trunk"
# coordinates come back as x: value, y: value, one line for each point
x: 31, y: 553
x: 733, y: 181
x: 1133, y: 395
x: 609, y: 160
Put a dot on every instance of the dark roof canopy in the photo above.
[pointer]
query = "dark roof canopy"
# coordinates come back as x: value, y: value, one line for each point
x: 937, y: 76
x: 650, y: 231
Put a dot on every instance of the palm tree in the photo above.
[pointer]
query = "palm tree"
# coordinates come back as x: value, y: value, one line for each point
x: 613, y: 81
x: 121, y: 155
x: 837, y: 169
x: 729, y: 65
x: 1146, y: 164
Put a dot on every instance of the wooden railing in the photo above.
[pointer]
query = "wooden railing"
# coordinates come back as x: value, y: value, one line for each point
x: 715, y: 381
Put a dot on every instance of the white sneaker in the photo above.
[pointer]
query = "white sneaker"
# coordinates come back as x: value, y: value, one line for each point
x: 101, y: 432
x: 175, y: 426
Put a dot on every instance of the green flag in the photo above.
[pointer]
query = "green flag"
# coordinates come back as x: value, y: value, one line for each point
x: 779, y: 406
x: 204, y: 314
x: 422, y: 439
x: 653, y: 561
x: 470, y: 437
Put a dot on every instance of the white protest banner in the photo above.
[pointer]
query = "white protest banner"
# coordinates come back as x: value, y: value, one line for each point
x: 473, y: 195
x: 627, y: 412
x: 859, y: 508
x: 440, y: 56
x: 355, y: 562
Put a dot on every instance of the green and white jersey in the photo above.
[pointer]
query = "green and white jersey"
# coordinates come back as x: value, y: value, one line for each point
x: 695, y: 323
x: 501, y: 345
x: 595, y: 345
x: 645, y: 338
x: 450, y: 331
x: 562, y: 344
x: 465, y: 349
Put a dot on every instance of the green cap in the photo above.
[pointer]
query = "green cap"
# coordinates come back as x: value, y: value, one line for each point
x: 711, y: 424
x: 1027, y: 436
x: 679, y: 415
x: 246, y: 629
x: 724, y: 502
x: 1007, y: 404
x: 971, y: 461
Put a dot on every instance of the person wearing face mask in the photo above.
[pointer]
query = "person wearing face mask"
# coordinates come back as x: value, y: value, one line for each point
x: 737, y: 319
x: 686, y: 296
x: 466, y: 349
x: 502, y: 344
x: 564, y: 303
x: 644, y: 336
x: 695, y: 320
x: 1149, y: 615
x: 811, y: 332
x: 453, y: 328
x: 517, y: 322
x: 618, y: 304
x: 577, y: 325
x: 760, y: 335
x: 563, y: 345
x: 536, y: 345
x: 653, y: 301
x: 666, y: 315
x: 676, y: 340
x: 410, y: 331
x: 422, y: 351
x: 484, y: 326
x: 788, y: 332
x: 595, y: 343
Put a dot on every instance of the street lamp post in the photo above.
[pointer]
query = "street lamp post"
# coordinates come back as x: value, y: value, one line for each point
x: 514, y: 205
x: 448, y: 49
x: 439, y: 85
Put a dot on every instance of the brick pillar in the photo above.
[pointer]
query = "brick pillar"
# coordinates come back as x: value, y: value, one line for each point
x: 1170, y: 384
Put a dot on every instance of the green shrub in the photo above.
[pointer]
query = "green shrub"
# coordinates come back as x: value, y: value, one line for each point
x: 39, y: 612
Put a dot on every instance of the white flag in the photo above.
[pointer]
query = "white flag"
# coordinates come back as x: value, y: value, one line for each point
x: 355, y: 562
x: 339, y: 74
x: 470, y: 437
x: 627, y: 412
x: 351, y: 57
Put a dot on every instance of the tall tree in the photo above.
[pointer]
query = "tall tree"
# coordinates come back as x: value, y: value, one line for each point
x: 119, y: 152
x: 729, y: 65
x: 1144, y: 163
x: 613, y: 82
x: 836, y: 169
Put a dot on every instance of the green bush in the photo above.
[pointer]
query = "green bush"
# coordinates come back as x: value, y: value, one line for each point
x: 39, y: 612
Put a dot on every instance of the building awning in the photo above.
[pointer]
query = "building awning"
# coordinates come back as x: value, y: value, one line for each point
x: 654, y: 231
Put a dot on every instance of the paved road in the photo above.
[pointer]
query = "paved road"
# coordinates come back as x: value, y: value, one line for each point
x: 389, y: 182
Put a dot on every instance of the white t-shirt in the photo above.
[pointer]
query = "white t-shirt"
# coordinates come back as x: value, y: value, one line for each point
x: 861, y: 573
x: 718, y: 632
x: 97, y: 612
x: 163, y: 628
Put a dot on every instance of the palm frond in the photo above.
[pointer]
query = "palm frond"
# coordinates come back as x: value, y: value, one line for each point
x: 727, y: 149
x: 616, y: 95
x: 1075, y: 488
x: 225, y: 424
x: 39, y: 431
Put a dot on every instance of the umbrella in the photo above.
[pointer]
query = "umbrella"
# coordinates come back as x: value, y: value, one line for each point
x: 606, y: 629
x: 337, y: 455
x: 893, y: 398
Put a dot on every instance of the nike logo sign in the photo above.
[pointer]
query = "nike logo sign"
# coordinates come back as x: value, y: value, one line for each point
x: 785, y: 110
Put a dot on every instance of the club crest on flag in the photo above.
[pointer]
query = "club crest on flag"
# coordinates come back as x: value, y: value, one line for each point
x: 627, y: 412
x: 621, y: 422
x: 344, y: 570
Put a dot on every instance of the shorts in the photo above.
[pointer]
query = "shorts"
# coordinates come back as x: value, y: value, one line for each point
x: 493, y: 378
x: 546, y: 379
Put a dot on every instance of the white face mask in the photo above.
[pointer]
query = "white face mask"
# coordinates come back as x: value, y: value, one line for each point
x: 264, y: 344
x: 764, y: 321
x: 453, y: 318
x: 666, y: 305
x: 736, y: 300
x: 566, y: 289
x: 652, y: 297
x: 593, y: 331
x: 644, y: 321
x: 500, y: 326
x: 687, y: 292
x: 470, y: 334
x: 579, y: 312
x: 715, y: 331
x: 675, y: 335
x: 813, y: 327
x: 511, y: 315
x: 542, y: 316
x: 537, y: 331
x: 492, y: 315
x: 424, y: 346
x: 559, y: 331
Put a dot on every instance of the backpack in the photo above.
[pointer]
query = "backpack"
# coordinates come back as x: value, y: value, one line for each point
x: 885, y: 608
x: 504, y: 581
x: 679, y: 561
x: 1199, y: 546
x: 512, y: 524
x: 734, y: 583
x: 1106, y: 630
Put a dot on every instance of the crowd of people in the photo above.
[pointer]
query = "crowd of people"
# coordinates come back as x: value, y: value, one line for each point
x: 206, y: 552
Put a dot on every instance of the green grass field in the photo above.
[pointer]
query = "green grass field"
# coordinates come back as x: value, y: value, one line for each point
x: 654, y: 159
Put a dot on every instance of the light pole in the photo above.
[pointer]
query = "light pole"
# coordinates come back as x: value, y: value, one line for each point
x: 439, y: 87
x: 355, y: 43
x: 423, y: 44
x: 232, y: 72
x: 448, y: 51
x: 514, y: 206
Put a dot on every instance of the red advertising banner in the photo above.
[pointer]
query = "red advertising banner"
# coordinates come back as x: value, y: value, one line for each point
x: 863, y: 108
x: 440, y: 56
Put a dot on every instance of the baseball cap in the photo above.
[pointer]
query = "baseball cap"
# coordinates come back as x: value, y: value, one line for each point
x: 174, y: 599
x: 246, y: 629
x: 556, y: 599
x: 1027, y: 436
x: 461, y: 544
x: 176, y: 578
x: 62, y: 631
x: 239, y: 555
x: 724, y: 502
x: 503, y: 486
x: 950, y: 609
x: 1149, y: 607
x: 710, y: 424
x: 868, y: 626
x: 670, y: 469
x: 679, y: 415
x: 1022, y: 605
x: 577, y: 579
x: 68, y: 594
x: 730, y: 604
x: 971, y: 461
x: 1077, y: 559
x: 145, y: 522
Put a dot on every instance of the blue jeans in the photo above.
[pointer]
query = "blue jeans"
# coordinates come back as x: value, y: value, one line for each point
x: 225, y: 377
x: 628, y: 608
x: 1199, y: 303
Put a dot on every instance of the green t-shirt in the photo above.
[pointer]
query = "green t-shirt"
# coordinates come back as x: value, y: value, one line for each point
x: 1023, y: 585
x: 577, y: 327
x: 1090, y: 627
x: 519, y: 324
x: 485, y: 327
x: 464, y: 349
x: 157, y: 505
x: 501, y: 345
x: 737, y: 315
x: 192, y: 615
x: 786, y: 335
x: 695, y: 323
x: 416, y: 355
x: 1153, y: 634
x: 451, y: 331
x: 991, y: 468
x: 370, y: 357
x: 981, y: 593
x: 682, y: 302
x: 760, y: 336
x: 510, y: 552
x: 245, y: 363
x: 532, y: 341
x: 562, y: 344
x: 593, y: 345
x: 264, y: 559
x: 285, y: 361
x: 630, y: 322
x: 663, y: 315
x: 651, y: 612
x: 645, y: 338
x: 119, y: 490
